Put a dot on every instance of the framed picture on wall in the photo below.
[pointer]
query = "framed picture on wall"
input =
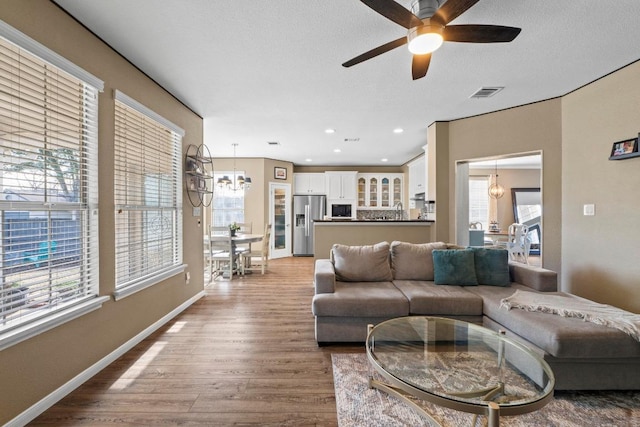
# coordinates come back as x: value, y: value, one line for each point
x: 279, y: 173
x: 627, y: 146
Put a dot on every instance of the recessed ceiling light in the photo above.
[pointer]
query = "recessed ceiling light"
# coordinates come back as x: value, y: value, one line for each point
x: 337, y: 150
x: 398, y: 130
x: 329, y: 131
x: 384, y: 160
x: 308, y: 160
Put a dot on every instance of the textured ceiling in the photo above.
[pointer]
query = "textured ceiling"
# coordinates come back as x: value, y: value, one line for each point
x: 260, y: 70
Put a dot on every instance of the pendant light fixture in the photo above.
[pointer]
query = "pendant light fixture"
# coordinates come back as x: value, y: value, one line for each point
x: 496, y: 190
x: 238, y: 182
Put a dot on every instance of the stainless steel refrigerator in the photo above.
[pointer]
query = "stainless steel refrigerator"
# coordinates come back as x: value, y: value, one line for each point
x: 305, y: 210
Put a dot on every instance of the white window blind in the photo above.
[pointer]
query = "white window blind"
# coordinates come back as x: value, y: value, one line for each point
x: 228, y: 205
x: 148, y: 197
x: 479, y: 200
x: 48, y: 187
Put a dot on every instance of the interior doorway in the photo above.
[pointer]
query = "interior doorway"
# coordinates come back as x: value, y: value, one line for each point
x: 520, y: 178
x: 280, y: 219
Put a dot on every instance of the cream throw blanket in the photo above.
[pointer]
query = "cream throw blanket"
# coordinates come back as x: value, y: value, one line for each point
x: 570, y: 306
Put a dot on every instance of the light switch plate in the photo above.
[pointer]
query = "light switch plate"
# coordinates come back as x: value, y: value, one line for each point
x: 589, y: 209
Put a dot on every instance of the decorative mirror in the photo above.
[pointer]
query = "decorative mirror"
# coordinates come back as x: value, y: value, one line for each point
x: 527, y: 209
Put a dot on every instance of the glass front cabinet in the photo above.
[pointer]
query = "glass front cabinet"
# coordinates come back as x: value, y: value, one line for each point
x: 379, y: 191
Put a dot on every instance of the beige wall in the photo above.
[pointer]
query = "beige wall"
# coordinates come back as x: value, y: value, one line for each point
x: 596, y: 256
x: 533, y: 127
x: 36, y: 367
x: 601, y: 253
x: 438, y: 181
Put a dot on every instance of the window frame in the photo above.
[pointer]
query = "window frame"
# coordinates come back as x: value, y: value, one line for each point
x: 220, y: 216
x: 484, y: 192
x: 55, y: 313
x: 175, y: 209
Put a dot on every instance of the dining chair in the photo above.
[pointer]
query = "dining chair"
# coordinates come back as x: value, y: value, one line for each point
x: 259, y: 260
x: 245, y: 228
x: 222, y: 254
x: 518, y: 243
x: 207, y: 252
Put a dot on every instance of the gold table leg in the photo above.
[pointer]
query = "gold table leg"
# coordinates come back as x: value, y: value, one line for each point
x: 493, y: 416
x: 403, y: 397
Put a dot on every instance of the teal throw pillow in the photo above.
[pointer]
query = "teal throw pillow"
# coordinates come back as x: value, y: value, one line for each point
x: 454, y: 267
x: 492, y: 266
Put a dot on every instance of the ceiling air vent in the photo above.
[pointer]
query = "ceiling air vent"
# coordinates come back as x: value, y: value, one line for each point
x: 486, y: 92
x: 273, y: 142
x: 351, y: 139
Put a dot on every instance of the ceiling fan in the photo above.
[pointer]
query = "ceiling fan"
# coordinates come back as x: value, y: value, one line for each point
x: 427, y: 24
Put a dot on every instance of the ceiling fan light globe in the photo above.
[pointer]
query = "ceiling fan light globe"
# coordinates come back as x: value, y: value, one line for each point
x: 425, y: 43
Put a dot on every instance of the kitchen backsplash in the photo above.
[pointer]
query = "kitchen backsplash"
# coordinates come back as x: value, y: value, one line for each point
x: 378, y: 214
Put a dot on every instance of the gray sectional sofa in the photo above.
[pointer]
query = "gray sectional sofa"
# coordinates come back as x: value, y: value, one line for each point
x: 363, y: 285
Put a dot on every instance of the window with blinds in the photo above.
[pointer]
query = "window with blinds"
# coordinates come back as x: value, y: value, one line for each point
x: 48, y: 184
x: 228, y: 205
x: 148, y: 196
x: 479, y: 200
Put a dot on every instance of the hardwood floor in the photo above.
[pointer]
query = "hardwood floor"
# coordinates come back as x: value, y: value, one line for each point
x: 243, y: 355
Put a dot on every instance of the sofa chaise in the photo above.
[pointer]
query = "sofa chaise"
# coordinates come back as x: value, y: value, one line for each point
x: 361, y: 285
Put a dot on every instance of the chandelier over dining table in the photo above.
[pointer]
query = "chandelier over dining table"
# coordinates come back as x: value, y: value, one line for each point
x: 496, y: 190
x: 239, y: 182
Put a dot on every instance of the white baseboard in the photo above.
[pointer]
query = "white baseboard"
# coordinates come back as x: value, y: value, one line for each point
x: 51, y: 399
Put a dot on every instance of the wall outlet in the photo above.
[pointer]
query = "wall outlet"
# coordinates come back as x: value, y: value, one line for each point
x: 197, y: 211
x: 187, y: 277
x: 589, y: 210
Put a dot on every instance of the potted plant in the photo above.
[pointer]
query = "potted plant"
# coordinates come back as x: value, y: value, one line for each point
x: 233, y: 228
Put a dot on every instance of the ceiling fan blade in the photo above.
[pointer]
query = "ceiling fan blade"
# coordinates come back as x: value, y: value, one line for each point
x: 375, y: 52
x: 480, y: 33
x: 395, y: 12
x: 451, y: 9
x: 420, y: 65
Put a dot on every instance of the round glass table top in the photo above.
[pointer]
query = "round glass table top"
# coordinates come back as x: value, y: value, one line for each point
x: 447, y: 360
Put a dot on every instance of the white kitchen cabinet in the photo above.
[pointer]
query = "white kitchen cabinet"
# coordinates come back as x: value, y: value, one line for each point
x: 417, y: 176
x: 341, y: 186
x: 380, y: 191
x: 309, y: 183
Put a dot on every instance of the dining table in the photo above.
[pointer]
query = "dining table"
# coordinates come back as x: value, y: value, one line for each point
x: 497, y: 236
x: 237, y: 239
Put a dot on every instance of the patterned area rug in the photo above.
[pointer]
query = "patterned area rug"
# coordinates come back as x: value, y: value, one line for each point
x: 360, y: 406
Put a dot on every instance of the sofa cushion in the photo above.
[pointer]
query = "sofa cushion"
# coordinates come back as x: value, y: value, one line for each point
x: 413, y: 261
x: 537, y: 278
x: 427, y: 298
x: 492, y: 266
x: 366, y: 263
x: 361, y: 299
x: 563, y: 337
x: 454, y: 267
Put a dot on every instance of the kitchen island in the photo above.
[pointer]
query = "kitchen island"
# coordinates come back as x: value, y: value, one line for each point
x: 368, y: 232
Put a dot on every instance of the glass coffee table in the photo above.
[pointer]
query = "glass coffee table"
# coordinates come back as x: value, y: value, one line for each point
x: 457, y: 365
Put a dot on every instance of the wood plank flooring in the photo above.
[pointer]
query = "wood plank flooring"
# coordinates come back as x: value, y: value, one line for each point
x: 244, y: 355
